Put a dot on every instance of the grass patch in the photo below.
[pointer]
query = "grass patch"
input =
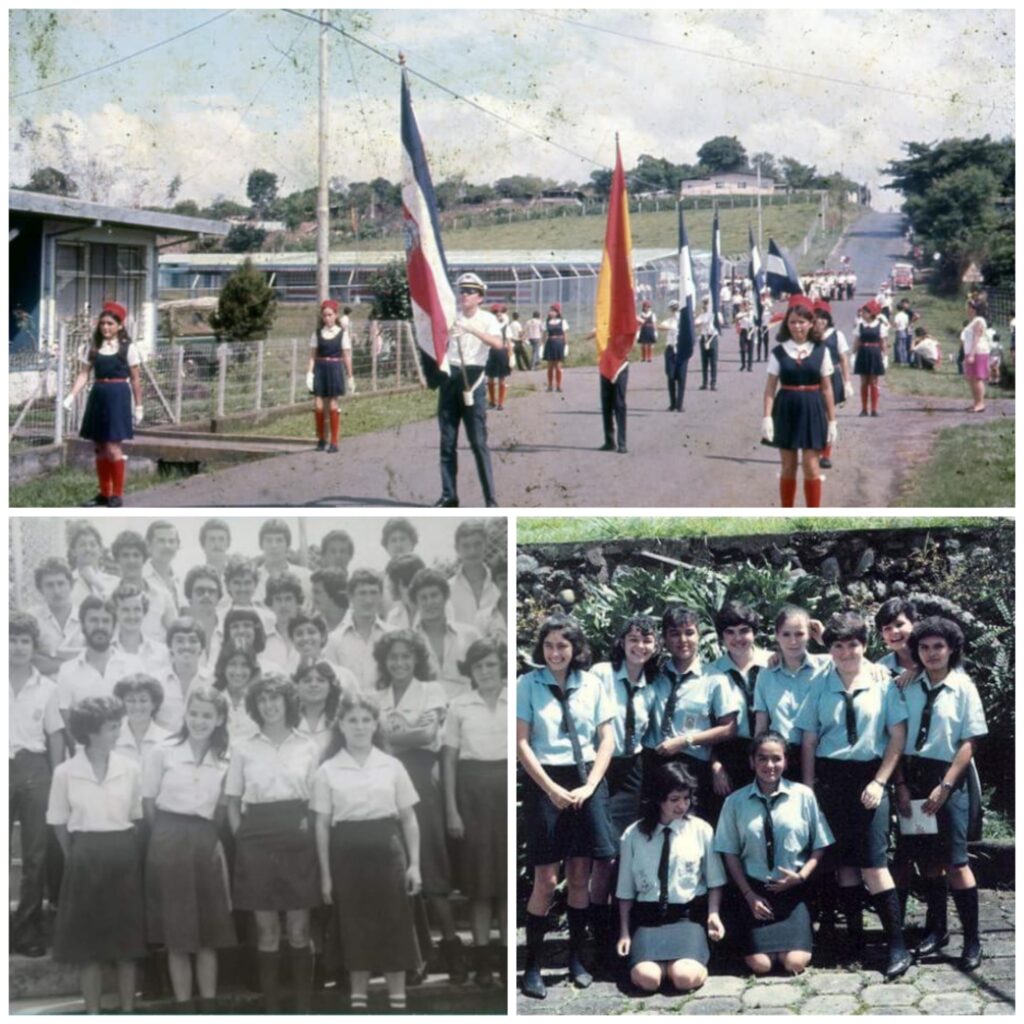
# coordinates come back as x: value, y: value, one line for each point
x: 70, y: 488
x: 361, y: 415
x: 971, y: 465
x: 609, y: 528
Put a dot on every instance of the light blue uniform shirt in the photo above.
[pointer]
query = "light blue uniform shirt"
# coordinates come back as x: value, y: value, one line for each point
x: 693, y: 865
x: 779, y: 693
x: 798, y: 827
x: 735, y: 698
x: 879, y: 706
x: 589, y: 705
x: 615, y: 682
x: 700, y: 703
x: 957, y: 715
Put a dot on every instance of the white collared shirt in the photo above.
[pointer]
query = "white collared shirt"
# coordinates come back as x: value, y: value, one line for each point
x: 241, y: 725
x: 474, y: 730
x: 32, y: 714
x: 169, y: 589
x: 473, y: 350
x: 800, y: 352
x: 172, y: 712
x: 320, y: 732
x: 348, y: 791
x: 262, y: 772
x: 55, y: 640
x: 462, y: 602
x: 171, y: 777
x: 82, y: 803
x: 457, y: 639
x: 134, y: 749
x: 420, y: 699
x: 346, y: 646
x: 77, y: 679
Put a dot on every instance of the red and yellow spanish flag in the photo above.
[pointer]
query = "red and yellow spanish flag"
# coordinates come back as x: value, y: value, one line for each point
x: 616, y: 325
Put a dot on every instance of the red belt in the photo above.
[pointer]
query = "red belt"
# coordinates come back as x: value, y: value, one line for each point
x: 111, y: 380
x: 328, y: 359
x: 871, y: 344
x: 800, y: 387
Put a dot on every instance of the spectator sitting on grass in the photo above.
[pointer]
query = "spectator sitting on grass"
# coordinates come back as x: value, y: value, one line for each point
x: 925, y: 351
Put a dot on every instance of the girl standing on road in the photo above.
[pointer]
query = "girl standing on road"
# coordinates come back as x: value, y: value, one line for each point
x: 854, y: 723
x: 555, y: 346
x: 114, y: 364
x: 499, y: 365
x: 670, y: 884
x: 627, y: 678
x: 773, y: 835
x: 976, y: 343
x: 564, y: 741
x: 648, y: 332
x: 799, y: 411
x: 871, y: 353
x: 946, y: 721
x: 326, y: 375
x: 839, y: 351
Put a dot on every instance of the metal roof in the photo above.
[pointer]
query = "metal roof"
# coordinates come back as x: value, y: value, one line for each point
x: 78, y: 209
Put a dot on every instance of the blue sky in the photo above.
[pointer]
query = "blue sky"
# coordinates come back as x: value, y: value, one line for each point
x: 241, y: 93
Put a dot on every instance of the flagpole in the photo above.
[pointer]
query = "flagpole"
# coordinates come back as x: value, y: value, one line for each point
x: 760, y: 225
x: 323, y: 213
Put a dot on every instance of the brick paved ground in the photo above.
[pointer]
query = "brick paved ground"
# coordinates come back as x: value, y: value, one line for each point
x: 932, y: 987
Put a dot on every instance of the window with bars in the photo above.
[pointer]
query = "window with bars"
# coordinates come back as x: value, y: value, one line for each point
x: 89, y: 274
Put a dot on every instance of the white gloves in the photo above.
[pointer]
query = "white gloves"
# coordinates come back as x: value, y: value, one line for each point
x: 351, y: 385
x: 68, y: 402
x: 885, y: 362
x: 309, y: 381
x: 138, y: 414
x: 848, y: 389
x: 767, y: 429
x: 833, y: 432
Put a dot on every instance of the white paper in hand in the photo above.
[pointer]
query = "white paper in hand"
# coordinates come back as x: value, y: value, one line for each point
x: 919, y: 823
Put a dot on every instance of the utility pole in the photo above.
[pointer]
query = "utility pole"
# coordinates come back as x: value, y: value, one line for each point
x: 323, y: 213
x: 760, y: 223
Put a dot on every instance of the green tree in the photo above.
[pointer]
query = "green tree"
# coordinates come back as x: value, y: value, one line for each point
x: 723, y: 153
x: 261, y: 190
x: 521, y: 186
x: 246, y: 307
x: 52, y: 182
x: 767, y: 164
x: 798, y: 175
x: 187, y: 208
x: 390, y: 287
x: 244, y: 238
x: 449, y: 192
x: 221, y: 209
x: 601, y: 182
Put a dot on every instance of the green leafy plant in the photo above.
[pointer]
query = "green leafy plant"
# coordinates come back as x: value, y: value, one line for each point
x: 246, y: 307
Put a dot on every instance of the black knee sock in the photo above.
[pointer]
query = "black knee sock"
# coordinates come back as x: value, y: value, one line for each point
x: 851, y: 901
x: 536, y: 926
x: 966, y: 901
x: 577, y: 928
x: 937, y: 920
x: 301, y: 962
x: 888, y: 906
x: 270, y: 980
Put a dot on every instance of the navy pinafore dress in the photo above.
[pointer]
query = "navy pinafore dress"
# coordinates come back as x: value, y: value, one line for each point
x: 108, y: 410
x: 648, y: 332
x: 832, y: 341
x: 328, y: 373
x: 799, y: 416
x: 554, y: 347
x: 869, y: 355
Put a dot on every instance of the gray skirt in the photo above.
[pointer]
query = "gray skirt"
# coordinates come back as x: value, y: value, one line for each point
x: 790, y: 929
x: 672, y: 936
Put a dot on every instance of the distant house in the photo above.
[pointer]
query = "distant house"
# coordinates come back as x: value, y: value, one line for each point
x: 263, y: 225
x: 67, y: 257
x: 728, y: 183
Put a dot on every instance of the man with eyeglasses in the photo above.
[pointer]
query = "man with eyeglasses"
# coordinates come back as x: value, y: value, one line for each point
x: 460, y: 398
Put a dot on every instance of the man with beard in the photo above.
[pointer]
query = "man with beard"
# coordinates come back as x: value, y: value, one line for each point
x: 94, y: 672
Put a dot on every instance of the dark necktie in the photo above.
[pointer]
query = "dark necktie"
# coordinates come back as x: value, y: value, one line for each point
x: 851, y: 716
x: 748, y: 691
x: 630, y: 717
x: 666, y: 842
x: 769, y: 830
x: 670, y: 705
x: 569, y: 728
x: 926, y: 714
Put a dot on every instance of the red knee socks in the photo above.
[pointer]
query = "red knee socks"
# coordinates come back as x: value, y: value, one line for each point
x: 103, y: 475
x: 787, y: 491
x: 502, y: 392
x: 117, y: 472
x: 863, y: 395
x: 812, y: 492
x: 874, y: 397
x: 827, y: 452
x: 335, y: 425
x: 318, y: 415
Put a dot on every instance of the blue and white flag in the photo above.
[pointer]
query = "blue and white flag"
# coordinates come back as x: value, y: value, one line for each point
x: 756, y: 277
x: 434, y: 306
x: 715, y: 282
x: 780, y: 274
x: 686, y: 339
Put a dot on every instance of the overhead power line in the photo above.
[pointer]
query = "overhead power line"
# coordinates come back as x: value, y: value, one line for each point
x: 121, y: 60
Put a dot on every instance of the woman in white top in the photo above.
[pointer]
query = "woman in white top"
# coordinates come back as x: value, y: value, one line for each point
x: 325, y: 377
x: 142, y: 696
x: 976, y: 344
x: 237, y: 669
x: 368, y: 845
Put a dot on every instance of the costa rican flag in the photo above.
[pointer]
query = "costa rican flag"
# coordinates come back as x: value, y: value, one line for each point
x: 433, y: 301
x: 780, y: 274
x: 756, y: 277
x: 716, y: 271
x: 687, y: 337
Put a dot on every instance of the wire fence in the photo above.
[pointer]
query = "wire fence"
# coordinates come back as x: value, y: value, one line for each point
x: 193, y: 382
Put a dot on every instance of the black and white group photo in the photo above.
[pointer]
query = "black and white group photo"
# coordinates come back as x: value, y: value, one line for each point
x: 258, y: 765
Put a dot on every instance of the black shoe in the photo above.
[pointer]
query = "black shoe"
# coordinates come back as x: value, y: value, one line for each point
x: 578, y: 974
x: 32, y: 948
x: 622, y: 449
x: 446, y: 503
x: 332, y: 449
x: 607, y: 447
x: 863, y: 412
x: 417, y: 977
x: 970, y: 958
x: 714, y: 387
x: 900, y: 961
x: 321, y: 445
x: 703, y: 387
x: 930, y: 945
x: 532, y: 984
x: 825, y: 462
x: 874, y: 412
x: 115, y: 501
x: 96, y: 501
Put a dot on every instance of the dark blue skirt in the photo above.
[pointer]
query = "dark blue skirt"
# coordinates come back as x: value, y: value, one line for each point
x: 108, y: 412
x: 553, y: 835
x: 554, y: 350
x: 800, y: 420
x: 328, y: 379
x: 497, y: 363
x: 869, y: 361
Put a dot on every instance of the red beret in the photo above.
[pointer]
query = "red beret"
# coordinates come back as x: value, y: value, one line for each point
x: 556, y: 307
x: 800, y: 302
x: 821, y: 306
x: 116, y: 310
x: 330, y: 304
x: 872, y: 307
x: 495, y: 307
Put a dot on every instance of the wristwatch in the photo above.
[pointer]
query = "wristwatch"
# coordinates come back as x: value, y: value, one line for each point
x: 946, y: 786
